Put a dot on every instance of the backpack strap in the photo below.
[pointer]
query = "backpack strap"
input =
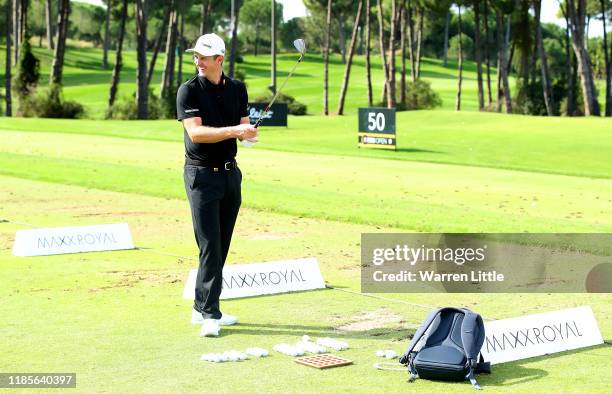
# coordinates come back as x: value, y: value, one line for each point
x: 471, y: 339
x: 408, y: 357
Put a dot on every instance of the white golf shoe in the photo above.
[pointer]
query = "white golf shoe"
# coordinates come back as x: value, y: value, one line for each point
x: 210, y: 328
x: 228, y: 320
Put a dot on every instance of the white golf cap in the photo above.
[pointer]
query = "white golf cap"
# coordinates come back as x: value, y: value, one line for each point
x: 209, y: 45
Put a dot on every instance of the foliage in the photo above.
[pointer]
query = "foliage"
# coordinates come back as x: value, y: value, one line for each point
x: 49, y: 103
x: 125, y: 108
x: 419, y: 95
x: 294, y: 107
x: 87, y: 22
x: 467, y: 47
x: 26, y: 78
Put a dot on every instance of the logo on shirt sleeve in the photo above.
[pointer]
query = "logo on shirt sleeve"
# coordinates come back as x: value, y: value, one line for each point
x: 192, y: 110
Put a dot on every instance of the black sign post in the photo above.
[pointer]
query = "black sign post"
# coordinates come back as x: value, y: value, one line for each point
x: 276, y: 116
x: 377, y: 128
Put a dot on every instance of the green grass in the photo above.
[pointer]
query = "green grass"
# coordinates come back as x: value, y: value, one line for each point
x: 117, y: 319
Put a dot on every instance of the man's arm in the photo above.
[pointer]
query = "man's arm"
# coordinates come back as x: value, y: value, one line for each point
x: 200, y: 134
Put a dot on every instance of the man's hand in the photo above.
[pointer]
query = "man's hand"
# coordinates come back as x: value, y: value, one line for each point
x: 246, y: 131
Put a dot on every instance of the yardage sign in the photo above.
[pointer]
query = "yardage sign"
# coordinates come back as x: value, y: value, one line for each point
x: 377, y: 128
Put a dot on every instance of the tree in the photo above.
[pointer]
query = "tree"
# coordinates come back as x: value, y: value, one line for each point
x: 347, y: 70
x: 478, y: 55
x: 118, y: 59
x: 326, y: 60
x: 403, y: 52
x: 158, y: 42
x: 27, y: 76
x: 546, y: 86
x: 106, y: 34
x: 7, y: 64
x: 62, y: 31
x: 273, y: 46
x: 48, y: 24
x: 256, y: 17
x: 367, y: 52
x: 167, y: 80
x: 503, y: 87
x: 446, y: 28
x: 17, y: 29
x: 459, y: 63
x: 570, y: 64
x: 235, y: 14
x: 391, y: 84
x: 383, y: 52
x: 487, y: 52
x: 608, y: 111
x: 577, y: 15
x: 205, y: 10
x: 142, y: 90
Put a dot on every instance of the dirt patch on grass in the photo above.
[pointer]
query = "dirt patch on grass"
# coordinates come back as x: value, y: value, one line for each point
x: 372, y: 320
x: 133, y: 278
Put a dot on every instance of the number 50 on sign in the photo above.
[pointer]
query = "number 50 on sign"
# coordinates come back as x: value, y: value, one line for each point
x: 377, y: 128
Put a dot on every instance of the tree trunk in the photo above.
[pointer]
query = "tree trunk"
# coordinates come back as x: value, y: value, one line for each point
x: 7, y: 64
x: 235, y: 18
x: 391, y: 88
x: 342, y: 37
x: 142, y: 91
x: 577, y: 17
x: 487, y: 52
x: 273, y: 47
x: 326, y: 60
x: 419, y: 43
x: 411, y: 43
x: 571, y: 101
x: 502, y: 76
x: 24, y: 19
x: 383, y: 52
x: 403, y: 50
x: 180, y: 49
x: 367, y: 54
x: 49, y: 25
x: 608, y: 111
x: 62, y: 31
x: 446, y: 28
x: 106, y: 34
x: 118, y: 60
x: 17, y: 29
x: 157, y: 45
x: 460, y: 65
x: 256, y: 39
x: 478, y: 56
x: 347, y: 70
x: 546, y: 86
x: 205, y: 12
x: 167, y: 79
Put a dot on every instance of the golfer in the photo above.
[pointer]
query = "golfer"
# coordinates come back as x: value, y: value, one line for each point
x: 213, y: 111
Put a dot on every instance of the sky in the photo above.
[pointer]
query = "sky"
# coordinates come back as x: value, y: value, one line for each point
x: 295, y: 8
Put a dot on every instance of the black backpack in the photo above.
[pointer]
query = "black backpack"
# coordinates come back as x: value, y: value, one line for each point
x: 449, y: 342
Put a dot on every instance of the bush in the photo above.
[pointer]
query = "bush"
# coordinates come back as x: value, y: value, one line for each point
x: 26, y: 78
x: 50, y: 104
x: 125, y: 108
x: 419, y: 95
x: 294, y: 107
x: 467, y: 47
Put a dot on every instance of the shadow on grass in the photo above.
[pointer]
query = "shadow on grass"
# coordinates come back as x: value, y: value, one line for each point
x: 298, y: 330
x: 518, y: 372
x: 417, y: 150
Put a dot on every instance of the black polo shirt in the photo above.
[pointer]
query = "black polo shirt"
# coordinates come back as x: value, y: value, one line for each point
x: 218, y: 106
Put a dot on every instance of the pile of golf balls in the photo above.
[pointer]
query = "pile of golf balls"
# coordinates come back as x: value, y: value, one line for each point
x: 390, y: 354
x: 288, y: 350
x: 232, y: 355
x: 332, y: 343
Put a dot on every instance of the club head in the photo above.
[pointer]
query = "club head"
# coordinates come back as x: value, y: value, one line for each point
x: 300, y: 45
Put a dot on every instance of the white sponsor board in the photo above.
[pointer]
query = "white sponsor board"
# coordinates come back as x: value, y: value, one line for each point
x: 60, y: 240
x: 537, y: 335
x: 246, y: 280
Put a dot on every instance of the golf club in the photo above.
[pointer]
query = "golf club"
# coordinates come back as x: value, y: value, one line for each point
x: 300, y: 45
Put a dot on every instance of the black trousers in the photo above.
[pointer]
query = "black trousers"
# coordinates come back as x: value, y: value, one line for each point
x: 214, y: 198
